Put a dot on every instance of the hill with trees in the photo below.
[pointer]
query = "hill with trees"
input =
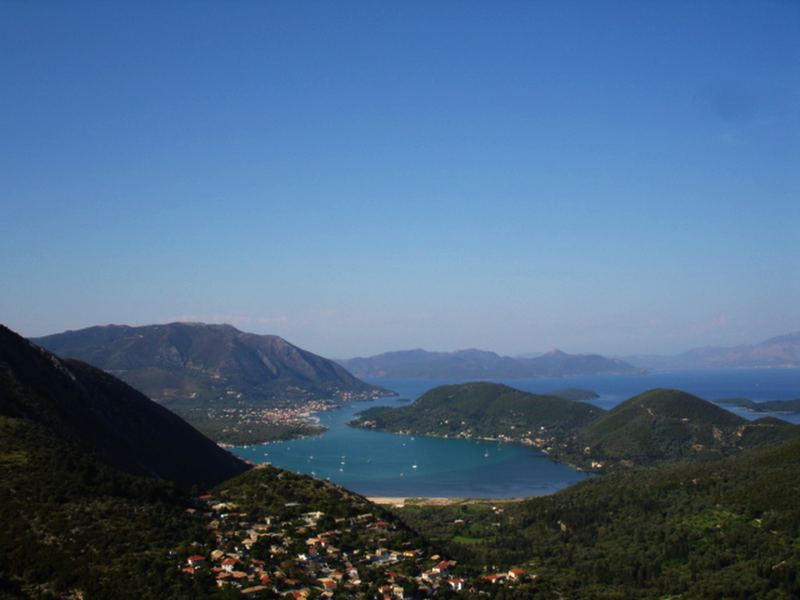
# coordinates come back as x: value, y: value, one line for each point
x: 74, y: 526
x: 474, y: 410
x: 210, y: 364
x: 722, y: 529
x: 663, y: 425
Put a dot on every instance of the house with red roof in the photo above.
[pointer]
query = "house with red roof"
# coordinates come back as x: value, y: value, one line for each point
x: 196, y: 560
x: 229, y: 564
x: 456, y: 584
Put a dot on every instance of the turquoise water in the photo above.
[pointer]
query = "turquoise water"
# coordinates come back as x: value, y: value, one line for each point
x: 385, y: 464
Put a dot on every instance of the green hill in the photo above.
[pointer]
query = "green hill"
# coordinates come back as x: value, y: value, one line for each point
x: 72, y: 524
x: 722, y: 529
x: 482, y: 410
x: 665, y: 425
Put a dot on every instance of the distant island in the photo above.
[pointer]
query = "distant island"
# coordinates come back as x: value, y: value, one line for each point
x: 782, y: 351
x: 481, y: 364
x: 658, y: 426
x: 774, y: 406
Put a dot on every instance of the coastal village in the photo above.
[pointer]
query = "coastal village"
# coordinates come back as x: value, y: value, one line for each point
x: 308, y: 554
x: 247, y: 419
x: 233, y: 419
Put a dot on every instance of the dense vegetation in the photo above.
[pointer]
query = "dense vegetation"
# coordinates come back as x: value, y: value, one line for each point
x: 665, y: 425
x: 73, y: 523
x: 722, y: 529
x: 268, y: 490
x: 107, y: 417
x: 481, y: 410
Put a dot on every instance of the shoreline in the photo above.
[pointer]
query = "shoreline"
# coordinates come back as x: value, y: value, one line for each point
x: 322, y: 430
x: 403, y: 501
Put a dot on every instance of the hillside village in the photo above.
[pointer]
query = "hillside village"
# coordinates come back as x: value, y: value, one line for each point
x: 308, y: 554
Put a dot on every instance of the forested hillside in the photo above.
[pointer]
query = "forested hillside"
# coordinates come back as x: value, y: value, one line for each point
x: 724, y: 529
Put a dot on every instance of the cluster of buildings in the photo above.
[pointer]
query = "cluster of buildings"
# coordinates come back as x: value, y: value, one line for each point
x: 311, y: 555
x: 246, y: 422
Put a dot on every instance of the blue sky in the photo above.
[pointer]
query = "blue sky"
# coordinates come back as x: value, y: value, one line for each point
x: 618, y: 177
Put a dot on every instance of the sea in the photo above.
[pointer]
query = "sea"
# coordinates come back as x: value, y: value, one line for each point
x: 375, y: 463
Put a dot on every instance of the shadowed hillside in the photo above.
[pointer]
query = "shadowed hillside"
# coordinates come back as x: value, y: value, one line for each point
x: 116, y: 423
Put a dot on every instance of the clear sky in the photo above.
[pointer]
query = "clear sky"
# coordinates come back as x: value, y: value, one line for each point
x: 618, y: 177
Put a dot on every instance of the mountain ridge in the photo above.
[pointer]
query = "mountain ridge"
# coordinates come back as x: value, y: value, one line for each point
x: 481, y: 364
x: 209, y: 362
x: 780, y: 351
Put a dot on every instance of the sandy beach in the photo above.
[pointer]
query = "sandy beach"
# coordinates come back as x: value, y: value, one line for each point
x: 398, y: 501
x: 411, y: 501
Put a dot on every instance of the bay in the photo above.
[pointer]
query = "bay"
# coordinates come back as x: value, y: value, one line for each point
x: 384, y: 464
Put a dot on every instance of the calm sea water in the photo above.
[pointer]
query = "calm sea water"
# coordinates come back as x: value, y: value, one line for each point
x: 385, y: 464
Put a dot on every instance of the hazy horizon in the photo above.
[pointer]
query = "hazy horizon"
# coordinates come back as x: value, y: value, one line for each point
x: 617, y: 178
x: 531, y: 352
